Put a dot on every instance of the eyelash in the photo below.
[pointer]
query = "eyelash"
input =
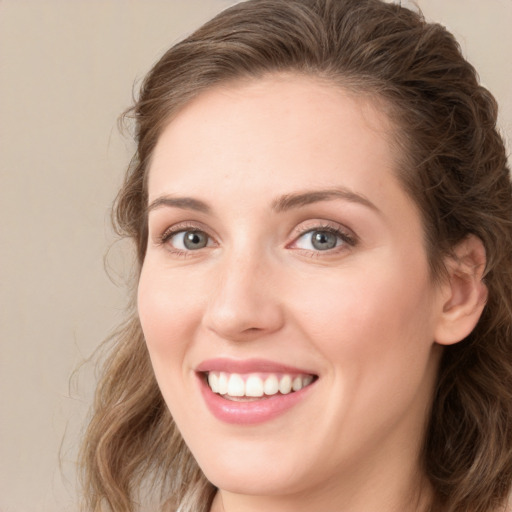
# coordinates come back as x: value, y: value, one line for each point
x: 164, y: 238
x: 339, y: 232
x: 346, y: 238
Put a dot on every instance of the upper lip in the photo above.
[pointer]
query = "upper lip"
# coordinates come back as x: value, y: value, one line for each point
x: 248, y: 366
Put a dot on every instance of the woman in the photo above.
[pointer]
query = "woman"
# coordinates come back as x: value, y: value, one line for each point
x: 321, y: 207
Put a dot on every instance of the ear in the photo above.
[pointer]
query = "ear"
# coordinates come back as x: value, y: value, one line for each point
x: 464, y: 292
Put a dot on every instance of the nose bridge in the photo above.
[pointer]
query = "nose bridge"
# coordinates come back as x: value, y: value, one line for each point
x: 243, y: 302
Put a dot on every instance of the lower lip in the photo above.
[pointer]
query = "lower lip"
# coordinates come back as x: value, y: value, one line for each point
x: 250, y: 413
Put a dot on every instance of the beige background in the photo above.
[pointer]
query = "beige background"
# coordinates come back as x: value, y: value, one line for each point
x: 66, y: 72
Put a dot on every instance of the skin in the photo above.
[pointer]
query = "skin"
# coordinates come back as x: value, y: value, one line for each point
x: 364, y: 316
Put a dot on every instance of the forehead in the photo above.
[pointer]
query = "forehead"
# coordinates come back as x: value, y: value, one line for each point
x: 276, y: 122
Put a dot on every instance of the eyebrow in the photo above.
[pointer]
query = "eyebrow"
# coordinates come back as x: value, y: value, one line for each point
x: 281, y: 204
x: 291, y: 201
x: 184, y: 203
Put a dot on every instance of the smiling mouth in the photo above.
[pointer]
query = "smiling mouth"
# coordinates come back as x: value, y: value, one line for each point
x: 256, y: 386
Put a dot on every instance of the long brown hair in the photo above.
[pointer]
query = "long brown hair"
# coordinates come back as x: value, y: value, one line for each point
x: 452, y: 163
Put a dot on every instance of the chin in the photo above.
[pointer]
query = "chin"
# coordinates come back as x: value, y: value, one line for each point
x: 254, y: 475
x: 252, y: 483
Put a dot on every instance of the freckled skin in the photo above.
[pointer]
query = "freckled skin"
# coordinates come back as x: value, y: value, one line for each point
x: 361, y: 315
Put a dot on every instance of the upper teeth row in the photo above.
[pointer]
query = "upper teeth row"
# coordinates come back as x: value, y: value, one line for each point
x: 254, y: 385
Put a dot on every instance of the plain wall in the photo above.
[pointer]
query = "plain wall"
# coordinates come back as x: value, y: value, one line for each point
x: 66, y: 73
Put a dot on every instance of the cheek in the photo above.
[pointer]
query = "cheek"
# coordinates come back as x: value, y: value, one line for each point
x: 376, y: 332
x: 369, y: 317
x: 168, y: 310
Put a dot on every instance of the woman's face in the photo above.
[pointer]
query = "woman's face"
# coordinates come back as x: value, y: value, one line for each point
x: 286, y: 264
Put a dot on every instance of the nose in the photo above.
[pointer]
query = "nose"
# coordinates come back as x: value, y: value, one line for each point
x: 244, y: 300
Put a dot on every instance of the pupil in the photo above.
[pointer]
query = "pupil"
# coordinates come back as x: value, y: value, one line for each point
x: 194, y: 240
x: 323, y: 240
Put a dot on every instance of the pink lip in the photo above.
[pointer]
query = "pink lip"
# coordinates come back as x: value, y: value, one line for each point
x: 248, y: 413
x: 248, y: 366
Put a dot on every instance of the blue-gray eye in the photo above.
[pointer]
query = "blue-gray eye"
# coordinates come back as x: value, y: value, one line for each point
x: 318, y: 240
x: 189, y: 240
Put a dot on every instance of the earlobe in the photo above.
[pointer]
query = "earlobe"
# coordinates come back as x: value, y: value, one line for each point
x: 464, y: 292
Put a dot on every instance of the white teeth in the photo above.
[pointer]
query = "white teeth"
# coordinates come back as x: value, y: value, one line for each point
x: 223, y: 384
x: 254, y: 385
x: 213, y: 381
x: 271, y: 385
x: 297, y: 384
x: 236, y: 385
x: 285, y: 385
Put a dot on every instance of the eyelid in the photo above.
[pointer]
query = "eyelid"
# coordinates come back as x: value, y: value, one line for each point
x: 163, y: 236
x: 348, y: 237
